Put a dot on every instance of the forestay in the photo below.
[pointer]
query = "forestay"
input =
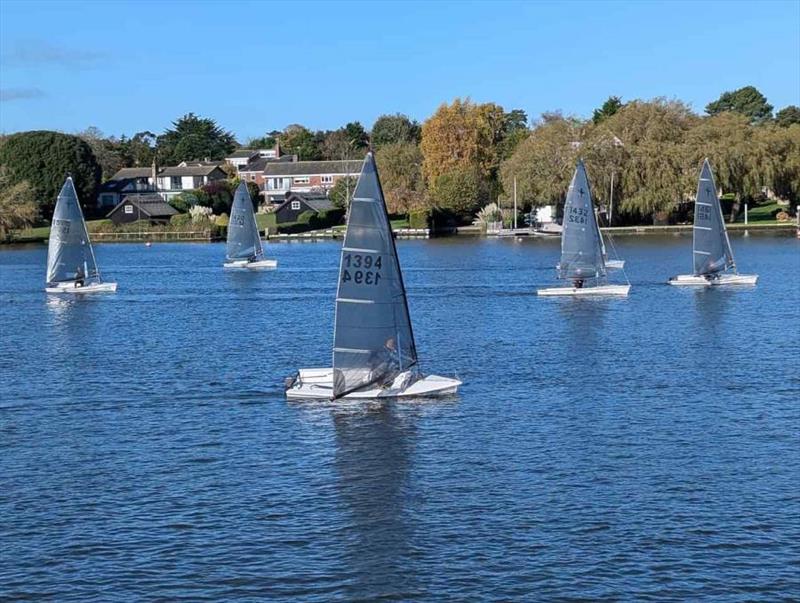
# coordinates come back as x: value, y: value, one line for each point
x: 244, y: 242
x: 373, y: 339
x: 581, y: 246
x: 69, y: 251
x: 711, y: 248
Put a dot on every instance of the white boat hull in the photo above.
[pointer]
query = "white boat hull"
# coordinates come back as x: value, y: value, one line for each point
x: 70, y: 287
x: 615, y: 264
x: 720, y: 280
x: 318, y: 384
x: 618, y: 290
x: 245, y: 265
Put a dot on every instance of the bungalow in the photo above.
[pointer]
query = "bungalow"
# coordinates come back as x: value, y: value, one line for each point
x: 298, y: 203
x: 305, y: 177
x: 148, y: 206
x: 167, y: 182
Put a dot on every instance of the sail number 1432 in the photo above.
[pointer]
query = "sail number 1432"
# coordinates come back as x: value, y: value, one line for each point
x: 361, y: 269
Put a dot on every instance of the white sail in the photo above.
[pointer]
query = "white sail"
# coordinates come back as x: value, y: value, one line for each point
x: 373, y: 339
x: 69, y: 254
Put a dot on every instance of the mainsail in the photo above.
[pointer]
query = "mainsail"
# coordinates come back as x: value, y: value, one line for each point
x: 581, y: 244
x: 69, y: 252
x: 711, y: 247
x: 244, y: 242
x: 373, y: 340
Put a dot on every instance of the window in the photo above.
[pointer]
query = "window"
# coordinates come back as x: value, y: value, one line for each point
x: 129, y: 209
x: 302, y: 180
x: 327, y: 179
x: 107, y: 200
x: 295, y: 205
x: 175, y: 182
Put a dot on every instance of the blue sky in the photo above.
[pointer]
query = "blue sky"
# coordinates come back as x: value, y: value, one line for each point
x: 257, y: 66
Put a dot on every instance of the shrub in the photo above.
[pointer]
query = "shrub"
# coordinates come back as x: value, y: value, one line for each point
x: 222, y: 220
x: 420, y: 218
x: 180, y: 221
x: 306, y: 217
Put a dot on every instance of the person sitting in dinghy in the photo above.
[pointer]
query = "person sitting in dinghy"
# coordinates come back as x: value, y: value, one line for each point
x: 578, y: 283
x: 386, y: 361
x: 80, y: 277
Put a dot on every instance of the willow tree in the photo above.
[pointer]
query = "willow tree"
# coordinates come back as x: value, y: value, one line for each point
x: 656, y: 172
x: 543, y: 163
x: 780, y: 160
x: 18, y: 207
x: 400, y: 165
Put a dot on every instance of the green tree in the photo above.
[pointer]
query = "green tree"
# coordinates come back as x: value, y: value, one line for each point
x: 349, y: 142
x: 788, y: 116
x: 341, y: 191
x: 193, y: 137
x: 391, y: 129
x: 608, y: 108
x: 264, y: 142
x: 748, y: 101
x: 18, y: 207
x: 299, y: 140
x: 515, y: 130
x: 44, y: 159
x: 461, y: 190
x: 111, y: 154
x: 400, y: 166
x: 140, y: 149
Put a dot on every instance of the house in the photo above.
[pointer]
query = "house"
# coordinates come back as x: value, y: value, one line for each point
x: 241, y: 157
x: 297, y: 203
x: 142, y: 206
x: 282, y: 178
x: 167, y: 182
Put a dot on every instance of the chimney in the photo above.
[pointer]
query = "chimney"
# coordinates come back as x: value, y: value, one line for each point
x: 154, y: 174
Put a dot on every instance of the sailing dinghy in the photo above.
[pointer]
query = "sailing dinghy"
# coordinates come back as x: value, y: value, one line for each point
x: 374, y: 355
x: 244, y: 248
x: 71, y: 265
x: 582, y: 258
x: 711, y: 248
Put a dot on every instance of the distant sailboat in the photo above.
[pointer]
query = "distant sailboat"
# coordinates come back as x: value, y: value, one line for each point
x: 244, y: 248
x: 71, y: 265
x: 374, y: 354
x: 711, y: 248
x: 611, y: 264
x: 582, y: 259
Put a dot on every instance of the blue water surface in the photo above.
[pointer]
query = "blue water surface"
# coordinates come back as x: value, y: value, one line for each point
x: 635, y: 449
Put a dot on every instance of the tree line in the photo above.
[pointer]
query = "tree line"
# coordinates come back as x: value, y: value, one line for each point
x: 646, y: 153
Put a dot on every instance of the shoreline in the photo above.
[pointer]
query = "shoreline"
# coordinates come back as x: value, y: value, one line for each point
x: 402, y: 233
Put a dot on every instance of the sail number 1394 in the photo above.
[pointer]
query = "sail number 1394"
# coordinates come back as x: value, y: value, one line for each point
x: 361, y: 269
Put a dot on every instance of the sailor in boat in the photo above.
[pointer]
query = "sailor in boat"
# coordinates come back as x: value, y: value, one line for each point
x: 386, y: 361
x: 578, y: 283
x: 80, y: 277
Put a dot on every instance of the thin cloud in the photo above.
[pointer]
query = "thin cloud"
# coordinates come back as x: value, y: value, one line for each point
x: 12, y: 94
x: 32, y: 53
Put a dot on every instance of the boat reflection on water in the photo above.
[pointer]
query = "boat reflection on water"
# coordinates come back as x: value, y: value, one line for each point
x: 374, y: 446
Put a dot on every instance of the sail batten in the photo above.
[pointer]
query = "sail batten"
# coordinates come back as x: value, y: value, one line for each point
x: 582, y: 253
x: 69, y: 251
x: 373, y: 338
x: 244, y: 242
x: 712, y: 250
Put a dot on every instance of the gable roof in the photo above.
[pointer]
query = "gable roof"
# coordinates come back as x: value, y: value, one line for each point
x: 256, y: 165
x: 132, y: 172
x: 151, y: 205
x: 242, y: 154
x: 190, y: 170
x: 313, y: 168
x: 315, y: 201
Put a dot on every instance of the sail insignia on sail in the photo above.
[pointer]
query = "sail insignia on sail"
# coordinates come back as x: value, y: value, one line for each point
x: 373, y: 338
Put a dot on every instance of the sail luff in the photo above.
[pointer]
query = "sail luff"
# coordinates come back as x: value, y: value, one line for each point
x: 373, y: 338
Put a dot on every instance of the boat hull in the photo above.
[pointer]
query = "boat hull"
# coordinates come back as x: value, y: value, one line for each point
x: 615, y: 290
x: 85, y: 289
x: 312, y: 384
x: 691, y: 280
x: 245, y: 265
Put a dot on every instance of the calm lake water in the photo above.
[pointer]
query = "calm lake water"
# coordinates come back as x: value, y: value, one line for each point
x: 637, y: 449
